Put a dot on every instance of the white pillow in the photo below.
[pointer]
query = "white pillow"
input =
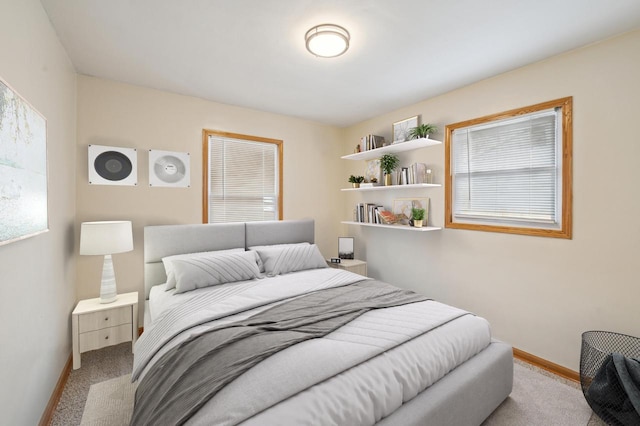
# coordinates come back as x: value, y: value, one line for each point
x: 292, y: 258
x: 168, y: 265
x: 274, y: 246
x: 214, y: 269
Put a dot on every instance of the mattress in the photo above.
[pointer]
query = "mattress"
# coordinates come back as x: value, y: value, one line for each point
x: 358, y: 374
x: 160, y: 300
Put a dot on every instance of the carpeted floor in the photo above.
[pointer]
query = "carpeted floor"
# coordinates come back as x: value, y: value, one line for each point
x: 97, y: 366
x: 538, y: 397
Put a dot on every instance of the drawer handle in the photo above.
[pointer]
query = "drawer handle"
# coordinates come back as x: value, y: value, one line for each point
x: 106, y: 337
x: 106, y: 318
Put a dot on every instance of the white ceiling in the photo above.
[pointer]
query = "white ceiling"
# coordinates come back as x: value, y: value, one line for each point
x: 251, y: 53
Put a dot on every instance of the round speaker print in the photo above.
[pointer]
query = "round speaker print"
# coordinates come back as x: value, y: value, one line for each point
x: 169, y: 169
x: 113, y: 165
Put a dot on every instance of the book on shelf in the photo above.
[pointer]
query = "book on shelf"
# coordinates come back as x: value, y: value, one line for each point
x: 415, y: 173
x: 387, y: 217
x: 367, y: 213
x: 370, y: 142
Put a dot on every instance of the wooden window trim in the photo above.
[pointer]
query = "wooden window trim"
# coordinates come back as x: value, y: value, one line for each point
x: 205, y: 166
x: 567, y: 166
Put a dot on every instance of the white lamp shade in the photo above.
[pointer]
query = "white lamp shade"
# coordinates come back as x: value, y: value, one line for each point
x: 101, y: 238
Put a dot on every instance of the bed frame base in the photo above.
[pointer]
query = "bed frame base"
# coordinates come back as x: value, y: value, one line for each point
x: 464, y: 397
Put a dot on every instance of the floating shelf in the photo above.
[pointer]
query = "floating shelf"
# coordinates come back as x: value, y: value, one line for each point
x: 393, y: 187
x: 393, y: 148
x: 399, y: 227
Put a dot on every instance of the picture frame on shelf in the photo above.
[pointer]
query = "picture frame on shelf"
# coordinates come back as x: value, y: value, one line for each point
x: 373, y: 171
x: 401, y: 128
x: 402, y: 208
x: 345, y: 247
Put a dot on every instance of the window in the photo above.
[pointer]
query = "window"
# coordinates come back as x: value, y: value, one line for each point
x: 511, y: 172
x: 242, y: 178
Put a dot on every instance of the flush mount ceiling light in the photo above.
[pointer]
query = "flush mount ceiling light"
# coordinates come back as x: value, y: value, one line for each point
x: 327, y: 40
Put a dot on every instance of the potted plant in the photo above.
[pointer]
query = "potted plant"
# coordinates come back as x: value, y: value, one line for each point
x: 388, y: 163
x: 422, y: 131
x: 356, y: 180
x: 417, y: 215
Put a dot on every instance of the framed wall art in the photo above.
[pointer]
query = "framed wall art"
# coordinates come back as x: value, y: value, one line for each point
x: 373, y: 172
x: 23, y: 168
x: 345, y: 247
x: 169, y: 168
x: 402, y: 127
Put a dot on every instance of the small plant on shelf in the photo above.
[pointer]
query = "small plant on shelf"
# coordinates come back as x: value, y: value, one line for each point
x: 356, y: 180
x: 422, y: 131
x: 388, y: 163
x: 417, y: 216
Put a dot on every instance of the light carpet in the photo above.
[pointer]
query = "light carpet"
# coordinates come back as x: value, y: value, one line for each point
x: 109, y: 403
x: 537, y: 398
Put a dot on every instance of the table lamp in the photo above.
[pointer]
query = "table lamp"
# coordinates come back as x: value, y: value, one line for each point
x: 106, y: 238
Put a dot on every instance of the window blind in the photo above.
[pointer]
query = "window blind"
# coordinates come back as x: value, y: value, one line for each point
x: 243, y: 180
x: 508, y: 171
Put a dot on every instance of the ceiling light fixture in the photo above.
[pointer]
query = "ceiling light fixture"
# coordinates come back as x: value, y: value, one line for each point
x: 327, y: 40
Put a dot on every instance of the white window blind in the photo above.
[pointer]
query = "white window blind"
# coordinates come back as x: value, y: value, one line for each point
x: 243, y: 180
x: 509, y: 171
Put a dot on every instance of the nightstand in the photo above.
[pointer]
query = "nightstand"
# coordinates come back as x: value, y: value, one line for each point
x: 352, y: 265
x: 96, y: 325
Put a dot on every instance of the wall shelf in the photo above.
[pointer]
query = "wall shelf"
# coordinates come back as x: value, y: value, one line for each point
x: 393, y: 148
x: 398, y: 227
x: 393, y: 187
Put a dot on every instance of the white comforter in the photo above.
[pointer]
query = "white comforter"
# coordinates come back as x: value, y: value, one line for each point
x: 356, y: 375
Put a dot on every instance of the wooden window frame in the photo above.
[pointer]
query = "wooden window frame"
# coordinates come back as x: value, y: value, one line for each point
x: 205, y: 166
x: 566, y: 104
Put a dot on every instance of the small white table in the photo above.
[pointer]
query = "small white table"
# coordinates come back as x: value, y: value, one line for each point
x: 96, y: 325
x: 352, y: 265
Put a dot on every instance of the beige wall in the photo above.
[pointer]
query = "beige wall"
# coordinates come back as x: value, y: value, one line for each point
x: 539, y: 294
x: 37, y: 275
x: 115, y: 114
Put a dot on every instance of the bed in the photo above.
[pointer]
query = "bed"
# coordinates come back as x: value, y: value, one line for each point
x: 415, y: 362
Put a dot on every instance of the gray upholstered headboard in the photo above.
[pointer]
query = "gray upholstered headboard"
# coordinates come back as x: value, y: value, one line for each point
x: 168, y: 240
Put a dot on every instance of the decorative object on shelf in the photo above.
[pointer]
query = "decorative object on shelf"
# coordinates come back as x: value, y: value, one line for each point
x: 428, y: 176
x: 356, y: 180
x: 327, y: 40
x: 402, y: 207
x: 106, y: 238
x: 369, y: 185
x: 168, y: 168
x: 345, y: 247
x: 388, y: 218
x: 388, y: 163
x: 373, y: 172
x: 422, y: 131
x: 23, y: 168
x: 417, y: 216
x: 401, y: 129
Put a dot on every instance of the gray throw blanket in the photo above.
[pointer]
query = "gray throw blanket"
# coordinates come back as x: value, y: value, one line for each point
x: 614, y: 393
x: 189, y: 375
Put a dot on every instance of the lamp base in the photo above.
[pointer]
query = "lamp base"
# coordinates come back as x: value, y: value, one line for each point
x: 108, y: 292
x: 110, y: 300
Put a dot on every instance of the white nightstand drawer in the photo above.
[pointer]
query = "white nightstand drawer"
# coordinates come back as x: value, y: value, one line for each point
x: 104, y: 319
x: 105, y: 337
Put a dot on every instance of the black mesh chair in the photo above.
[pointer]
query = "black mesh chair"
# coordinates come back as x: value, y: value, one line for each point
x: 600, y: 386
